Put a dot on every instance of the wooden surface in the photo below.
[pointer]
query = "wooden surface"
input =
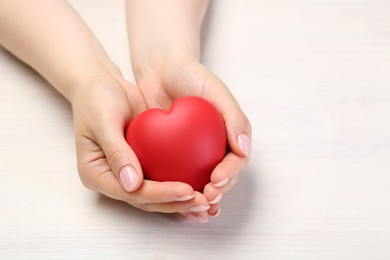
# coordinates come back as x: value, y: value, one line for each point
x: 314, y: 78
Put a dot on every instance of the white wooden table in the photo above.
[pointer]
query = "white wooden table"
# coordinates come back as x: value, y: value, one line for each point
x: 314, y: 78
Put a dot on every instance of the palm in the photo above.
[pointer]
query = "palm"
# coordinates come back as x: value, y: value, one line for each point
x: 161, y: 87
x: 98, y: 118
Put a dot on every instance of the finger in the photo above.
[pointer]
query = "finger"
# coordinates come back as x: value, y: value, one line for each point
x: 165, y: 197
x: 96, y: 174
x: 214, y: 196
x: 196, y: 205
x: 201, y: 217
x: 223, y: 178
x: 238, y: 127
x: 121, y: 158
x: 214, y: 210
x: 230, y: 167
x: 154, y: 192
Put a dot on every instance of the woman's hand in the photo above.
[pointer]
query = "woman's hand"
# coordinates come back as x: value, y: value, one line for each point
x: 173, y: 79
x: 102, y: 109
x: 64, y: 50
x: 164, y: 39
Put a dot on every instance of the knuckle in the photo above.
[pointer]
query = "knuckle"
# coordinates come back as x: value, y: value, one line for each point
x: 113, y: 153
x: 115, y: 158
x: 90, y: 174
x: 240, y: 123
x: 199, y: 199
x: 245, y: 123
x: 129, y: 199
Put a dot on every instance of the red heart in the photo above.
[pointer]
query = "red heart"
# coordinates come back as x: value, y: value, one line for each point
x: 184, y: 144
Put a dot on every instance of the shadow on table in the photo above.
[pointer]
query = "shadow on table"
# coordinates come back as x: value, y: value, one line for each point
x: 170, y: 229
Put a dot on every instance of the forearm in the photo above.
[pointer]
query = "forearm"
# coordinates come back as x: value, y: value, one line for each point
x: 160, y: 30
x: 52, y: 38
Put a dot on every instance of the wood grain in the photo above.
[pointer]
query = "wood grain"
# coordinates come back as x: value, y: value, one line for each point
x: 313, y: 77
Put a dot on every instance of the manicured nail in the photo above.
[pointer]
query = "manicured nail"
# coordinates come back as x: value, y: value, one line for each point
x: 202, y: 217
x: 245, y: 144
x: 185, y: 197
x: 129, y: 178
x: 199, y: 217
x: 221, y: 183
x: 217, y: 199
x: 216, y: 214
x: 198, y: 208
x: 187, y: 218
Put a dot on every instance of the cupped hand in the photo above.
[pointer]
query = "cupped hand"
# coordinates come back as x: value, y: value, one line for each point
x: 102, y: 109
x: 173, y: 79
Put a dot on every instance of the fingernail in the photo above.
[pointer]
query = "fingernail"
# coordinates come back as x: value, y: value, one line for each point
x: 185, y: 197
x: 221, y: 183
x: 187, y: 218
x: 201, y: 217
x: 129, y: 178
x: 198, y: 208
x: 245, y: 144
x: 216, y: 214
x: 217, y: 199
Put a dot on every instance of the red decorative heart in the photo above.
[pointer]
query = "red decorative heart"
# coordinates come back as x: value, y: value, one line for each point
x: 183, y: 144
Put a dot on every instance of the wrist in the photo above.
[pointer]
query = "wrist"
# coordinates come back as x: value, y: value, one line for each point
x: 160, y: 58
x: 163, y: 31
x: 79, y: 83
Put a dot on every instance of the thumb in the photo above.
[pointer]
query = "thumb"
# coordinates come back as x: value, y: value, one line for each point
x: 122, y: 159
x: 238, y: 127
x: 239, y: 130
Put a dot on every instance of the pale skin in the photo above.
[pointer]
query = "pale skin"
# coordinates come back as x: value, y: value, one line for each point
x: 164, y: 41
